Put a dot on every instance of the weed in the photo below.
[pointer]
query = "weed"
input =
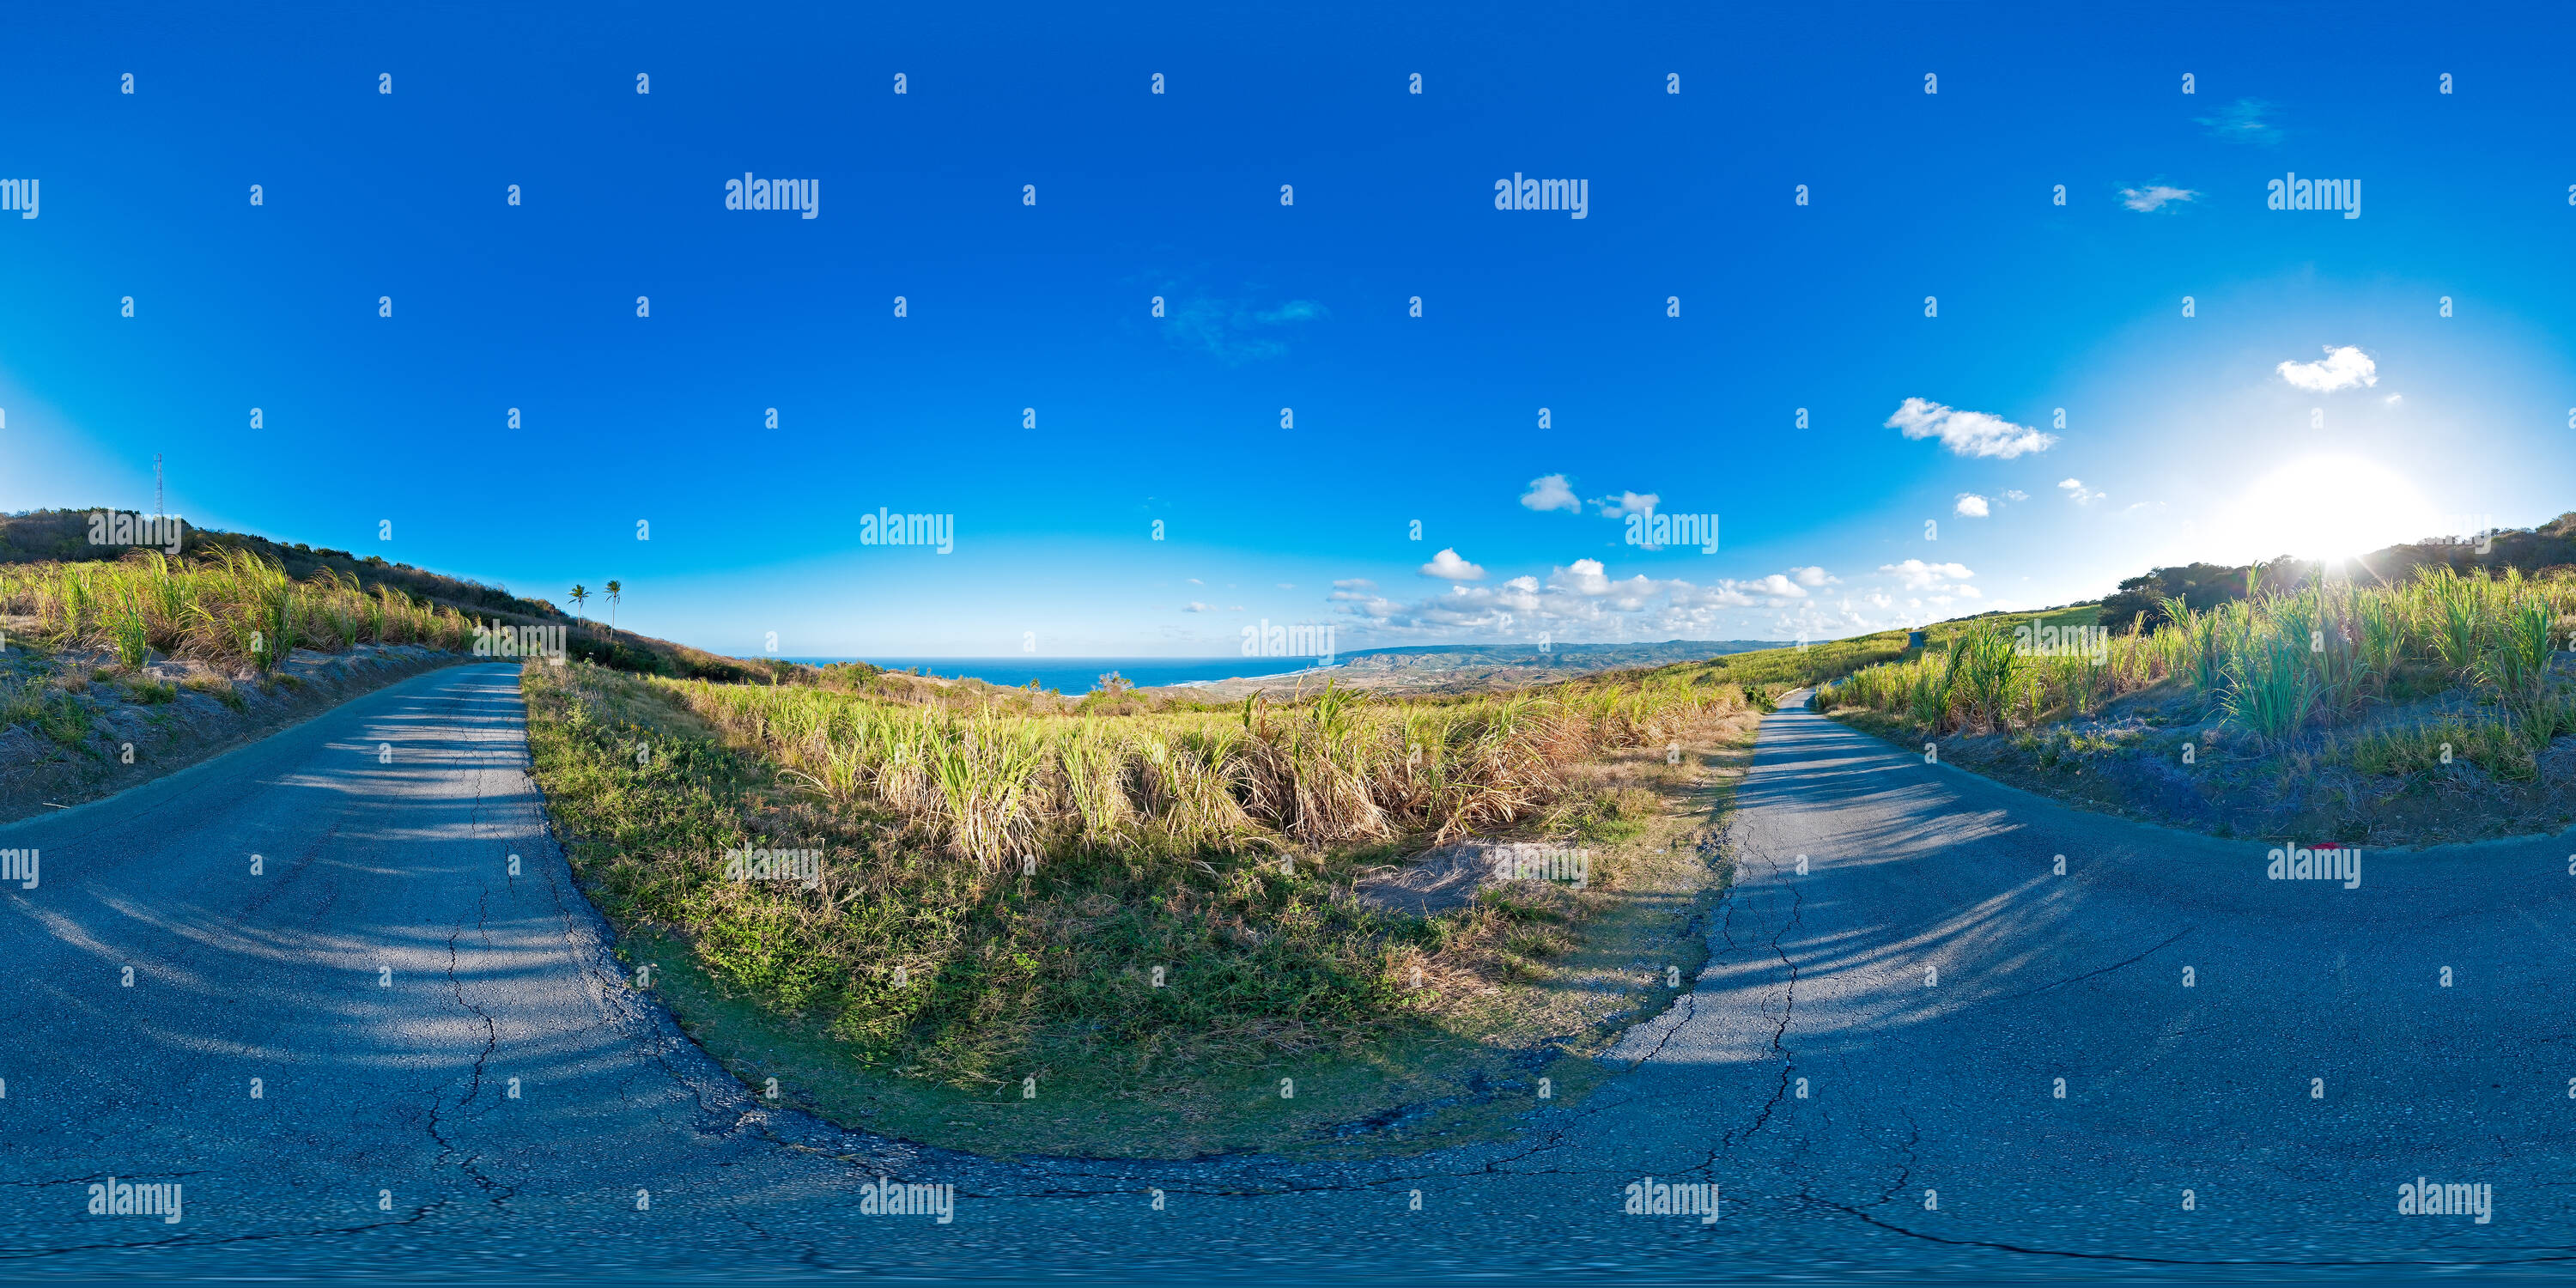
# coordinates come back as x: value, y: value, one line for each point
x: 147, y: 690
x: 221, y: 689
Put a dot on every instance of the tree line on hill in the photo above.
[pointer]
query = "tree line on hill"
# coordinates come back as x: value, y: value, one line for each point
x: 62, y: 536
x: 2551, y: 547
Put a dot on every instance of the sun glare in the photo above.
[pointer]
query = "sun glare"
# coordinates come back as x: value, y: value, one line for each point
x: 2329, y: 507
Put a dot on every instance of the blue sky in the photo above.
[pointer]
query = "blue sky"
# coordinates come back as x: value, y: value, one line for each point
x: 2184, y: 437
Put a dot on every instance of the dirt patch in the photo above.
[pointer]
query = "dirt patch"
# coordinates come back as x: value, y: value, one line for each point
x: 1450, y: 877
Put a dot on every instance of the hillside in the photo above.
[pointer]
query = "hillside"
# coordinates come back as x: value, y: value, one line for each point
x: 61, y: 538
x: 1426, y: 669
x: 1596, y: 656
x: 2204, y: 586
x: 2433, y: 709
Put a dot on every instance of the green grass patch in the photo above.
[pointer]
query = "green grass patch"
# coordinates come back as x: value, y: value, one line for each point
x: 147, y: 690
x: 217, y: 687
x: 1418, y: 1088
x: 49, y: 709
x: 2496, y: 746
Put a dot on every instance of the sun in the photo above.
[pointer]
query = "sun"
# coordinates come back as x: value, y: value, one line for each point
x: 2330, y: 508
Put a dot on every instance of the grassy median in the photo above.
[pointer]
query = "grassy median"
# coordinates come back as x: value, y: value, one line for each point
x: 1118, y: 936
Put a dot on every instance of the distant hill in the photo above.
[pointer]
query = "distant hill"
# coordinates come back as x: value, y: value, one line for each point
x: 1423, y: 669
x: 2202, y: 586
x: 62, y: 536
x: 1590, y: 657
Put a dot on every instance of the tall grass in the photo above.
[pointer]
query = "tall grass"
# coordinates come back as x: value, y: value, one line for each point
x: 1334, y: 769
x: 2277, y: 665
x: 997, y: 885
x: 231, y: 610
x: 2272, y: 682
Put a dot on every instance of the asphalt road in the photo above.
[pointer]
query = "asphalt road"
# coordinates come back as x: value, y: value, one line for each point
x: 386, y: 978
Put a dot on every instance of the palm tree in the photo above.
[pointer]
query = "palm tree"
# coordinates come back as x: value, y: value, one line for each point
x: 614, y: 590
x: 580, y: 596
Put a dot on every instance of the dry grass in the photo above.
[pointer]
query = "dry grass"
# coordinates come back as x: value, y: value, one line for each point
x: 1332, y: 770
x: 997, y: 889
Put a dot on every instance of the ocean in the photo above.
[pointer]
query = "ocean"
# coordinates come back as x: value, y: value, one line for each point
x: 1078, y: 675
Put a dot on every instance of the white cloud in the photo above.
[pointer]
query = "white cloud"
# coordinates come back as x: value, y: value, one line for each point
x: 1196, y: 582
x: 1968, y: 433
x: 1919, y: 575
x: 1447, y: 564
x: 2016, y: 496
x: 2154, y: 196
x: 1582, y: 602
x: 2078, y: 493
x: 1549, y: 492
x: 1354, y: 583
x: 1287, y: 585
x: 1972, y: 505
x: 2343, y: 368
x: 2394, y: 399
x: 1583, y: 577
x: 1195, y: 606
x: 1627, y: 503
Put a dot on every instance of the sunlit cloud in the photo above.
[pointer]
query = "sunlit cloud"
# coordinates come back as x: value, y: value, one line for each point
x: 1968, y: 433
x: 1448, y: 566
x: 2341, y: 368
x: 1549, y: 492
x: 2155, y: 197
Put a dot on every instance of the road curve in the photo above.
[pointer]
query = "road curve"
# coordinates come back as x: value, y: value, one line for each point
x: 386, y: 978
